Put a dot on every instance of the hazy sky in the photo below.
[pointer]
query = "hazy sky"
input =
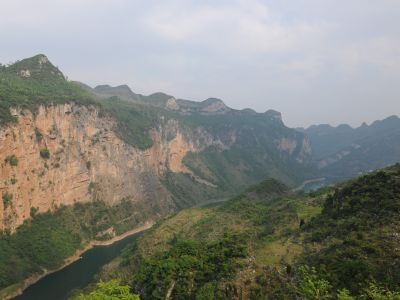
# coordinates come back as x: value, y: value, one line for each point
x: 316, y: 61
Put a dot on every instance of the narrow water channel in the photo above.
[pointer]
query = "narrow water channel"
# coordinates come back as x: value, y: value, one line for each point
x: 59, y: 285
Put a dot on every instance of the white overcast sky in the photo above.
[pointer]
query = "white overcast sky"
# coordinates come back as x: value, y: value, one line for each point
x: 316, y: 61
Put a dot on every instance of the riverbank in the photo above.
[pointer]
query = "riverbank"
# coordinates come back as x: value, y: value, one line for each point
x: 17, y: 289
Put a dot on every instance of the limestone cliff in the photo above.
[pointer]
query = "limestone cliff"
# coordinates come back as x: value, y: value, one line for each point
x: 62, y: 154
x: 68, y: 153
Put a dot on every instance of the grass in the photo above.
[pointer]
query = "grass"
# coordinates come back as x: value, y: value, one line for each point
x: 278, y: 252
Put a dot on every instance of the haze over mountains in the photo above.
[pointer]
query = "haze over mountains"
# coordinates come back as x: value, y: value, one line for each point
x: 343, y: 151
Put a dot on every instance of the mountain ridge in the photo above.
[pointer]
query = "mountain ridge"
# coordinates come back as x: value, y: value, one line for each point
x: 52, y: 126
x: 344, y: 151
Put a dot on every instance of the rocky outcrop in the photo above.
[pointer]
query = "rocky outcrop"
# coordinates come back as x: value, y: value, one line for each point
x: 68, y: 153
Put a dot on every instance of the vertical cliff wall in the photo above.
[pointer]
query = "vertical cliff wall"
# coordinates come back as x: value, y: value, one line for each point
x: 63, y: 154
x: 67, y: 153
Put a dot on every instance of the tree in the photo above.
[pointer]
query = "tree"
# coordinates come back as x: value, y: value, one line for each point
x: 110, y: 290
x: 378, y: 293
x: 311, y: 286
x: 45, y: 153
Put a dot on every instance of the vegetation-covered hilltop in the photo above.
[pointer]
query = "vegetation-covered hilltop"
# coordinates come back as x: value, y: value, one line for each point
x: 337, y: 243
x: 34, y: 81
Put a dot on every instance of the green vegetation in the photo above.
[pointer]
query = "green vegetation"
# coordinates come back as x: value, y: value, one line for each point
x: 111, y: 290
x: 336, y: 243
x: 48, y: 238
x: 7, y: 198
x: 251, y: 158
x: 12, y: 160
x: 134, y: 121
x: 45, y: 153
x: 357, y: 233
x: 309, y: 285
x: 38, y: 135
x: 198, y: 252
x: 45, y: 85
x: 189, y: 268
x: 186, y: 191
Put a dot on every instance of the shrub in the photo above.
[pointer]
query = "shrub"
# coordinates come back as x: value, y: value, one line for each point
x: 90, y: 187
x: 379, y: 293
x: 110, y: 290
x: 38, y: 135
x: 33, y: 211
x: 7, y: 198
x: 45, y: 153
x: 311, y: 286
x: 12, y: 160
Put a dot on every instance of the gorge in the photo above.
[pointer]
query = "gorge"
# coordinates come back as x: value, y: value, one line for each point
x: 81, y: 166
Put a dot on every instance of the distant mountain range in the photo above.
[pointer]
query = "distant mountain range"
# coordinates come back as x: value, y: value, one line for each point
x: 343, y: 151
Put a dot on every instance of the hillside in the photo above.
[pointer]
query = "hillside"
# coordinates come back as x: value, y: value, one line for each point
x: 65, y: 145
x: 342, y: 151
x: 357, y: 232
x: 267, y: 243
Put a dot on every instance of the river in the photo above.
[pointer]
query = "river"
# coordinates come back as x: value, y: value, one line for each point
x: 59, y: 285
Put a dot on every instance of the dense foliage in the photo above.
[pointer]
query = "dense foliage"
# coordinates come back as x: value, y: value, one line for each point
x: 189, y: 268
x: 44, y: 241
x: 111, y: 290
x: 358, y: 233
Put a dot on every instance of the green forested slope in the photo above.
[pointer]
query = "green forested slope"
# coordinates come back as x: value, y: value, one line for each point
x: 337, y: 243
x: 46, y: 240
x: 357, y: 233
